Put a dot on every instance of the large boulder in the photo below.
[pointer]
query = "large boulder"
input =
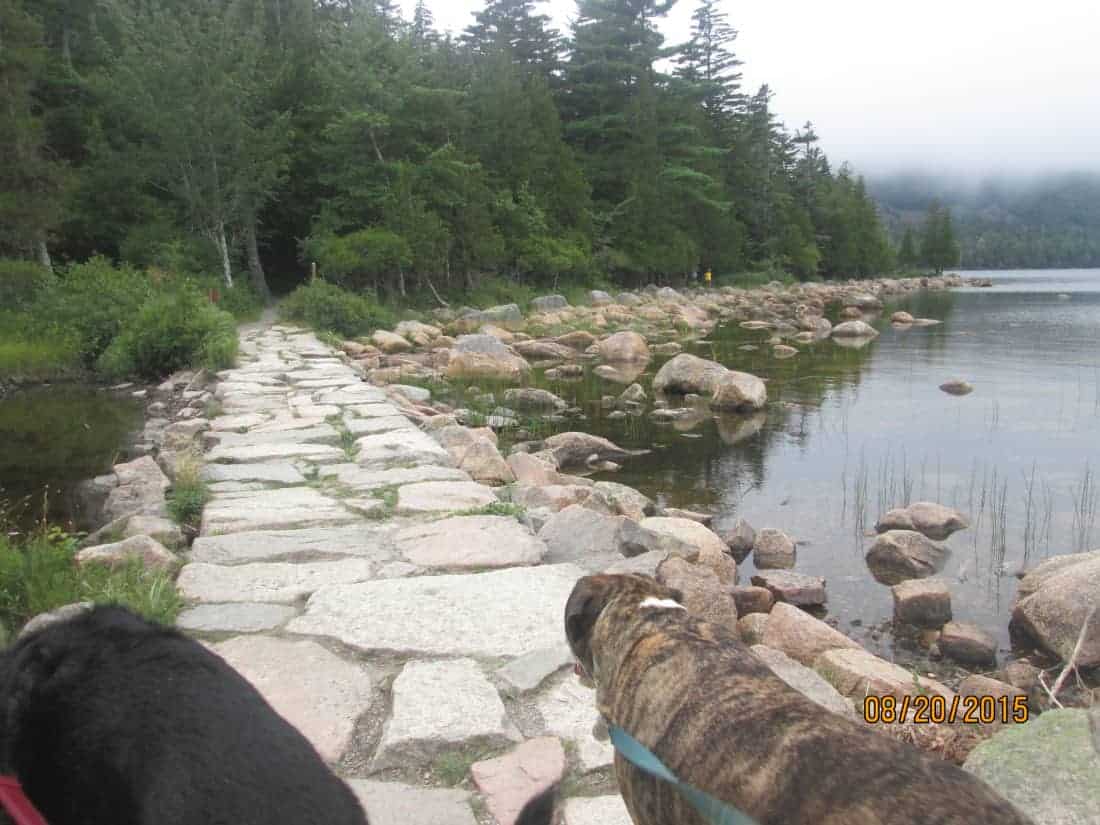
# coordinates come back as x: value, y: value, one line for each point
x: 577, y: 534
x: 544, y: 350
x: 575, y: 449
x: 899, y: 555
x: 530, y: 399
x: 625, y: 501
x: 703, y: 594
x: 1056, y: 598
x: 739, y: 392
x: 688, y: 373
x: 933, y: 520
x: 141, y: 488
x: 1048, y: 768
x: 548, y: 303
x: 151, y: 553
x: 922, y: 602
x: 683, y: 536
x: 854, y: 329
x: 483, y: 461
x: 390, y: 342
x: 773, y: 550
x: 800, y: 635
x: 856, y: 673
x: 483, y: 356
x: 968, y: 644
x: 624, y: 346
x: 793, y: 588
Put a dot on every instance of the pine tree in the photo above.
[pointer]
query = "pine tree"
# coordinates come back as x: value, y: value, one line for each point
x: 939, y: 249
x: 907, y: 250
x: 708, y: 60
x: 514, y: 26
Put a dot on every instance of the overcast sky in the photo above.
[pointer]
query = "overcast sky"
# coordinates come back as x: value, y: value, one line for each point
x: 963, y: 86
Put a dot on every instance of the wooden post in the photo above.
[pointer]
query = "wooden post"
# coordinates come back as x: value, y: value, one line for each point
x: 313, y: 271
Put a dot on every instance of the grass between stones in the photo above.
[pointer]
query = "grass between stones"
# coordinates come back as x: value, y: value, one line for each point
x: 497, y: 508
x: 452, y: 768
x: 189, y: 494
x: 39, y: 574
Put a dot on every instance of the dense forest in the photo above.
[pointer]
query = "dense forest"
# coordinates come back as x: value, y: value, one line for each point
x: 1001, y: 222
x: 244, y: 136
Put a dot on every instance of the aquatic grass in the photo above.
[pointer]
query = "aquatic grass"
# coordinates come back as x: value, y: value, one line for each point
x: 1086, y: 502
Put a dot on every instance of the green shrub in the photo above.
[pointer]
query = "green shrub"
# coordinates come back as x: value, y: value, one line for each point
x: 175, y: 329
x: 328, y: 308
x: 91, y: 303
x: 241, y: 300
x: 39, y: 574
x: 21, y: 283
x: 34, y: 359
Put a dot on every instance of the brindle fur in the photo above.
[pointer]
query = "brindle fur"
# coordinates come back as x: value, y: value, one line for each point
x: 724, y: 723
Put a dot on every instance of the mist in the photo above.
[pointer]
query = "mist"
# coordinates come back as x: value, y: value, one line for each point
x: 969, y: 88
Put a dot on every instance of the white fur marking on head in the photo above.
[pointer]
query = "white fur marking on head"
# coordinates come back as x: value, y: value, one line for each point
x: 663, y: 604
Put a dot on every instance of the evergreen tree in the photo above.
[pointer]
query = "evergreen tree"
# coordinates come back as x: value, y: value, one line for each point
x: 907, y: 250
x: 939, y: 249
x: 513, y: 26
x: 708, y: 60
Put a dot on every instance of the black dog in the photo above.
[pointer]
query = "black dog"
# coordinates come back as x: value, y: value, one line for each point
x: 108, y: 719
x: 111, y: 720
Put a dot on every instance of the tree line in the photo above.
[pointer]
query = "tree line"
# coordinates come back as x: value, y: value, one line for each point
x: 260, y: 135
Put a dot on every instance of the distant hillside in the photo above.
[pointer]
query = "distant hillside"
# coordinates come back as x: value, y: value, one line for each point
x: 1004, y: 223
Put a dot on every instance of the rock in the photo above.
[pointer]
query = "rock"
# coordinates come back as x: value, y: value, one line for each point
x: 60, y: 614
x: 624, y: 500
x: 901, y: 317
x: 483, y: 356
x: 1047, y: 768
x: 933, y: 520
x: 390, y: 342
x: 574, y: 449
x: 645, y: 564
x: 548, y: 303
x: 412, y: 330
x: 854, y: 329
x: 687, y: 373
x: 234, y: 618
x: 1021, y: 675
x: 443, y: 496
x: 752, y: 599
x: 152, y: 554
x: 281, y: 509
x: 470, y: 542
x: 856, y: 673
x: 579, y: 534
x: 773, y: 550
x: 624, y: 346
x: 596, y: 810
x: 740, y: 392
x: 577, y: 339
x: 280, y: 472
x: 783, y: 351
x: 703, y: 594
x: 483, y: 461
x: 536, y: 400
x: 163, y: 530
x: 527, y: 672
x: 1055, y: 600
x: 753, y: 628
x: 792, y: 588
x: 511, y: 781
x: 624, y: 372
x: 545, y: 350
x: 686, y: 538
x: 355, y: 539
x: 978, y: 685
x: 898, y: 555
x: 553, y: 497
x: 569, y: 711
x: 599, y: 298
x: 399, y: 447
x: 968, y: 644
x: 392, y: 803
x: 438, y: 707
x: 266, y: 582
x: 800, y: 635
x: 957, y: 386
x: 140, y: 490
x: 91, y: 495
x: 418, y: 395
x: 804, y: 680
x: 316, y: 691
x: 700, y: 518
x: 634, y: 394
x: 497, y: 614
x: 740, y: 539
x: 533, y: 470
x: 922, y: 602
x: 249, y: 453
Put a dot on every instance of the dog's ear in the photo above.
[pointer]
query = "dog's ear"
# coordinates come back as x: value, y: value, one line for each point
x: 676, y: 595
x: 587, y: 600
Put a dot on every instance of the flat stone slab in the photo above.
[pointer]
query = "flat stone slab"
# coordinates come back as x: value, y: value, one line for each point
x: 366, y: 541
x: 277, y: 472
x: 527, y: 672
x: 511, y: 781
x: 229, y: 423
x: 440, y: 707
x: 596, y: 810
x: 360, y: 478
x: 502, y: 613
x: 400, y: 447
x: 361, y: 394
x: 316, y: 691
x: 281, y: 509
x: 318, y: 433
x: 391, y: 803
x: 385, y: 424
x: 251, y: 453
x: 371, y: 411
x: 234, y: 618
x: 470, y: 542
x: 443, y: 496
x: 569, y: 711
x: 267, y: 582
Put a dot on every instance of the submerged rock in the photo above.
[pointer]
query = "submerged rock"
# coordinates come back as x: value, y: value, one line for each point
x: 957, y: 386
x: 576, y: 449
x: 898, y: 555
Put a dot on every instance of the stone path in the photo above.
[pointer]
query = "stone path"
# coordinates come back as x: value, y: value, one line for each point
x: 340, y: 569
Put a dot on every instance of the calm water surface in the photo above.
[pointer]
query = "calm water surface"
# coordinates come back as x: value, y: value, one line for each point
x: 850, y: 433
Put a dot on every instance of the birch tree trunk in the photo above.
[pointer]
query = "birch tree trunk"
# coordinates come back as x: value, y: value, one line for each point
x: 255, y: 265
x: 43, y: 254
x: 223, y: 248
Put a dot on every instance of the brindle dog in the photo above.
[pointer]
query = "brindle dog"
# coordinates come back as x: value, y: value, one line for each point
x: 724, y: 723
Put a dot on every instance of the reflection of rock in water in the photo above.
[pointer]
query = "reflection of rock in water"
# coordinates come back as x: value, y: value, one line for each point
x: 624, y: 372
x: 853, y: 343
x: 733, y: 429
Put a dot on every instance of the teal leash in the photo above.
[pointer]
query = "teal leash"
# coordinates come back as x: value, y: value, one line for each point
x: 714, y: 811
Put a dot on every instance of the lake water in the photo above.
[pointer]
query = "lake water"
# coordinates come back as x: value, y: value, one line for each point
x: 850, y: 433
x: 53, y: 437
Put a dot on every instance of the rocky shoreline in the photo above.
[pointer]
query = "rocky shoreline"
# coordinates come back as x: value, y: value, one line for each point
x: 392, y: 582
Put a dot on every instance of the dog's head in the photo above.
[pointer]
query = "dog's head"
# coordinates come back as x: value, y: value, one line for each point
x: 592, y: 595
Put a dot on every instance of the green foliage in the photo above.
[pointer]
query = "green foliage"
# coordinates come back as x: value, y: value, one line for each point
x: 189, y: 494
x: 39, y: 574
x: 939, y: 249
x: 328, y: 308
x: 240, y: 300
x: 362, y: 259
x: 172, y: 330
x: 22, y: 283
x: 499, y: 508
